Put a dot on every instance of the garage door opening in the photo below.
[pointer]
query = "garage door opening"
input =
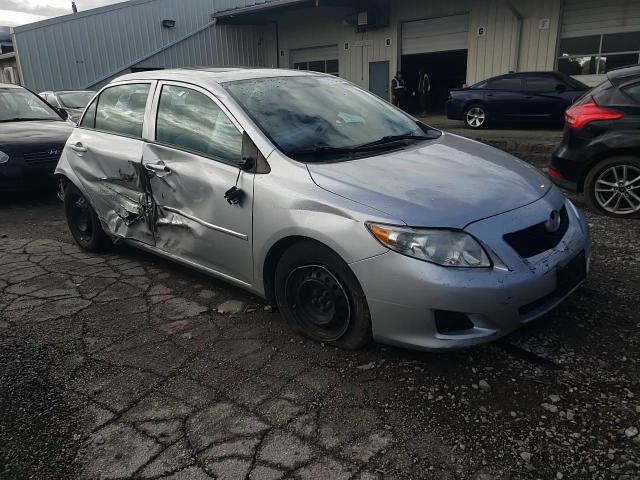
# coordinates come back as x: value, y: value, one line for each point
x: 439, y: 45
x: 446, y: 70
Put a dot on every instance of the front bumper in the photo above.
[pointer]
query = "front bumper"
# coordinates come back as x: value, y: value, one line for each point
x: 453, y: 109
x: 403, y: 293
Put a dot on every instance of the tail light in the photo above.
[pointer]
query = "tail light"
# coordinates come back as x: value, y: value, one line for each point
x: 555, y: 174
x: 581, y: 114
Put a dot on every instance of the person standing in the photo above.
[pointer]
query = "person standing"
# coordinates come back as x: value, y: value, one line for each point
x: 398, y: 90
x: 424, y: 87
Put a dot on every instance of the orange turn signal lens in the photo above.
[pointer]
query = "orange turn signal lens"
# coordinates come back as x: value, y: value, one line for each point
x: 381, y: 233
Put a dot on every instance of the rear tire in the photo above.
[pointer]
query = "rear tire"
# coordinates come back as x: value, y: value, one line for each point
x: 320, y: 297
x: 612, y: 187
x: 83, y: 222
x: 476, y: 116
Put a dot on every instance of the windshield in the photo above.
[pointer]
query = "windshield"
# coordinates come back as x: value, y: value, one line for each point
x: 75, y: 99
x: 308, y: 113
x: 19, y: 104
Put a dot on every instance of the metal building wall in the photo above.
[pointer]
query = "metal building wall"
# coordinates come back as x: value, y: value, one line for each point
x: 85, y: 49
x: 506, y: 45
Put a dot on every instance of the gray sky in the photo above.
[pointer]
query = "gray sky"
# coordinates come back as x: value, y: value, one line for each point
x: 19, y: 12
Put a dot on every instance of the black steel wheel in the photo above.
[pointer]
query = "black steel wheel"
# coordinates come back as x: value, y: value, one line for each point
x: 320, y: 297
x: 318, y: 302
x: 83, y: 222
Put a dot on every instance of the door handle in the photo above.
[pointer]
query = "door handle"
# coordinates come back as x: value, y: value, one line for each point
x: 78, y: 147
x: 156, y: 167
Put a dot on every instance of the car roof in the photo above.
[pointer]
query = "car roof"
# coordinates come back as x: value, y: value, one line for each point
x: 70, y: 91
x: 214, y: 75
x: 623, y: 74
x: 10, y: 85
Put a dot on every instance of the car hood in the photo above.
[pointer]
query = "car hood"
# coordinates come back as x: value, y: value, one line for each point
x: 18, y: 134
x: 449, y: 182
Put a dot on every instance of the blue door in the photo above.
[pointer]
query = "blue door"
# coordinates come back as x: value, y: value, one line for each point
x: 379, y: 79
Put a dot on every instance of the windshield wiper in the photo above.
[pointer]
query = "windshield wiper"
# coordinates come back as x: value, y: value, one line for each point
x: 323, y: 149
x: 394, y: 138
x: 380, y: 143
x: 24, y: 119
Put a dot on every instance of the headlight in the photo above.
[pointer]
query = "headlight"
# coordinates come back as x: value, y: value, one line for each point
x: 449, y: 248
x: 4, y: 158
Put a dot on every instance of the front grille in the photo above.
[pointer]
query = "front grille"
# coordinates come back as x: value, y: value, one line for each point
x: 43, y: 156
x: 537, y: 239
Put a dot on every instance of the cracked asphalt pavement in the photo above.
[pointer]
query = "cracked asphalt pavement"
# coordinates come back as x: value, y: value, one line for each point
x: 124, y: 365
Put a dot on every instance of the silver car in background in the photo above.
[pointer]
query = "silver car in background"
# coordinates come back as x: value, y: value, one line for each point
x: 71, y: 102
x: 357, y: 220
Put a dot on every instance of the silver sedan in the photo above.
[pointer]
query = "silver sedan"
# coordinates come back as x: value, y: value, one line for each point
x: 357, y: 220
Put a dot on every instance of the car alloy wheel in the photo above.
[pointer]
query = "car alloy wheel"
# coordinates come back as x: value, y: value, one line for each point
x: 617, y: 189
x: 318, y: 302
x: 476, y: 117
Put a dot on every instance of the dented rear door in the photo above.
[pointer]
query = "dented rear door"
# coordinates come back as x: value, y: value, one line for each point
x: 106, y: 152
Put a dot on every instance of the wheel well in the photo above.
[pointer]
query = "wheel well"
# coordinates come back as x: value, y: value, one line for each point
x: 472, y: 103
x: 64, y: 181
x: 629, y: 152
x: 273, y: 256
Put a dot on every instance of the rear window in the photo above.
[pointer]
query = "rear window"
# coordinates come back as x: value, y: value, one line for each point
x: 633, y: 92
x: 505, y: 84
x: 606, y: 94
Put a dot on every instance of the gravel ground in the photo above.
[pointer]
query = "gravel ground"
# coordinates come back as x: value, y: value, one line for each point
x: 124, y: 365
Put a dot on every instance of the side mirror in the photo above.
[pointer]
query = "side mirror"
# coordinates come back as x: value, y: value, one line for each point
x: 64, y: 113
x: 251, y: 158
x: 249, y: 154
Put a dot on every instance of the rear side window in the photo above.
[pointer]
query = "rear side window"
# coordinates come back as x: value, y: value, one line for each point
x: 89, y: 119
x: 542, y: 84
x: 190, y: 120
x: 120, y: 109
x: 505, y: 84
x: 633, y: 91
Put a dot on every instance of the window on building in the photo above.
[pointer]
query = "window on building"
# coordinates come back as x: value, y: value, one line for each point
x: 323, y: 66
x: 120, y: 109
x: 191, y: 120
x: 597, y: 54
x: 505, y: 84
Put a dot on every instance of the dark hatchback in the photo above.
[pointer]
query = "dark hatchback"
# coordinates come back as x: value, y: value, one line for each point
x: 600, y: 151
x: 32, y: 136
x: 540, y: 97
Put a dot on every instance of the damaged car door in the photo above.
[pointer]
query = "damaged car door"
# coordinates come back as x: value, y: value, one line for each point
x: 193, y: 162
x: 106, y: 150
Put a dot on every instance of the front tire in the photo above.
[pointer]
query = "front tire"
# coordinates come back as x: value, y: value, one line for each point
x: 320, y: 297
x: 83, y: 222
x: 612, y: 187
x: 476, y: 116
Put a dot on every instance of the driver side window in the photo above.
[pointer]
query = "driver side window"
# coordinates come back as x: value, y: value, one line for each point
x: 190, y: 120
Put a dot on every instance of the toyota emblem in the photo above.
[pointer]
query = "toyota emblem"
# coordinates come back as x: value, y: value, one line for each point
x: 553, y: 224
